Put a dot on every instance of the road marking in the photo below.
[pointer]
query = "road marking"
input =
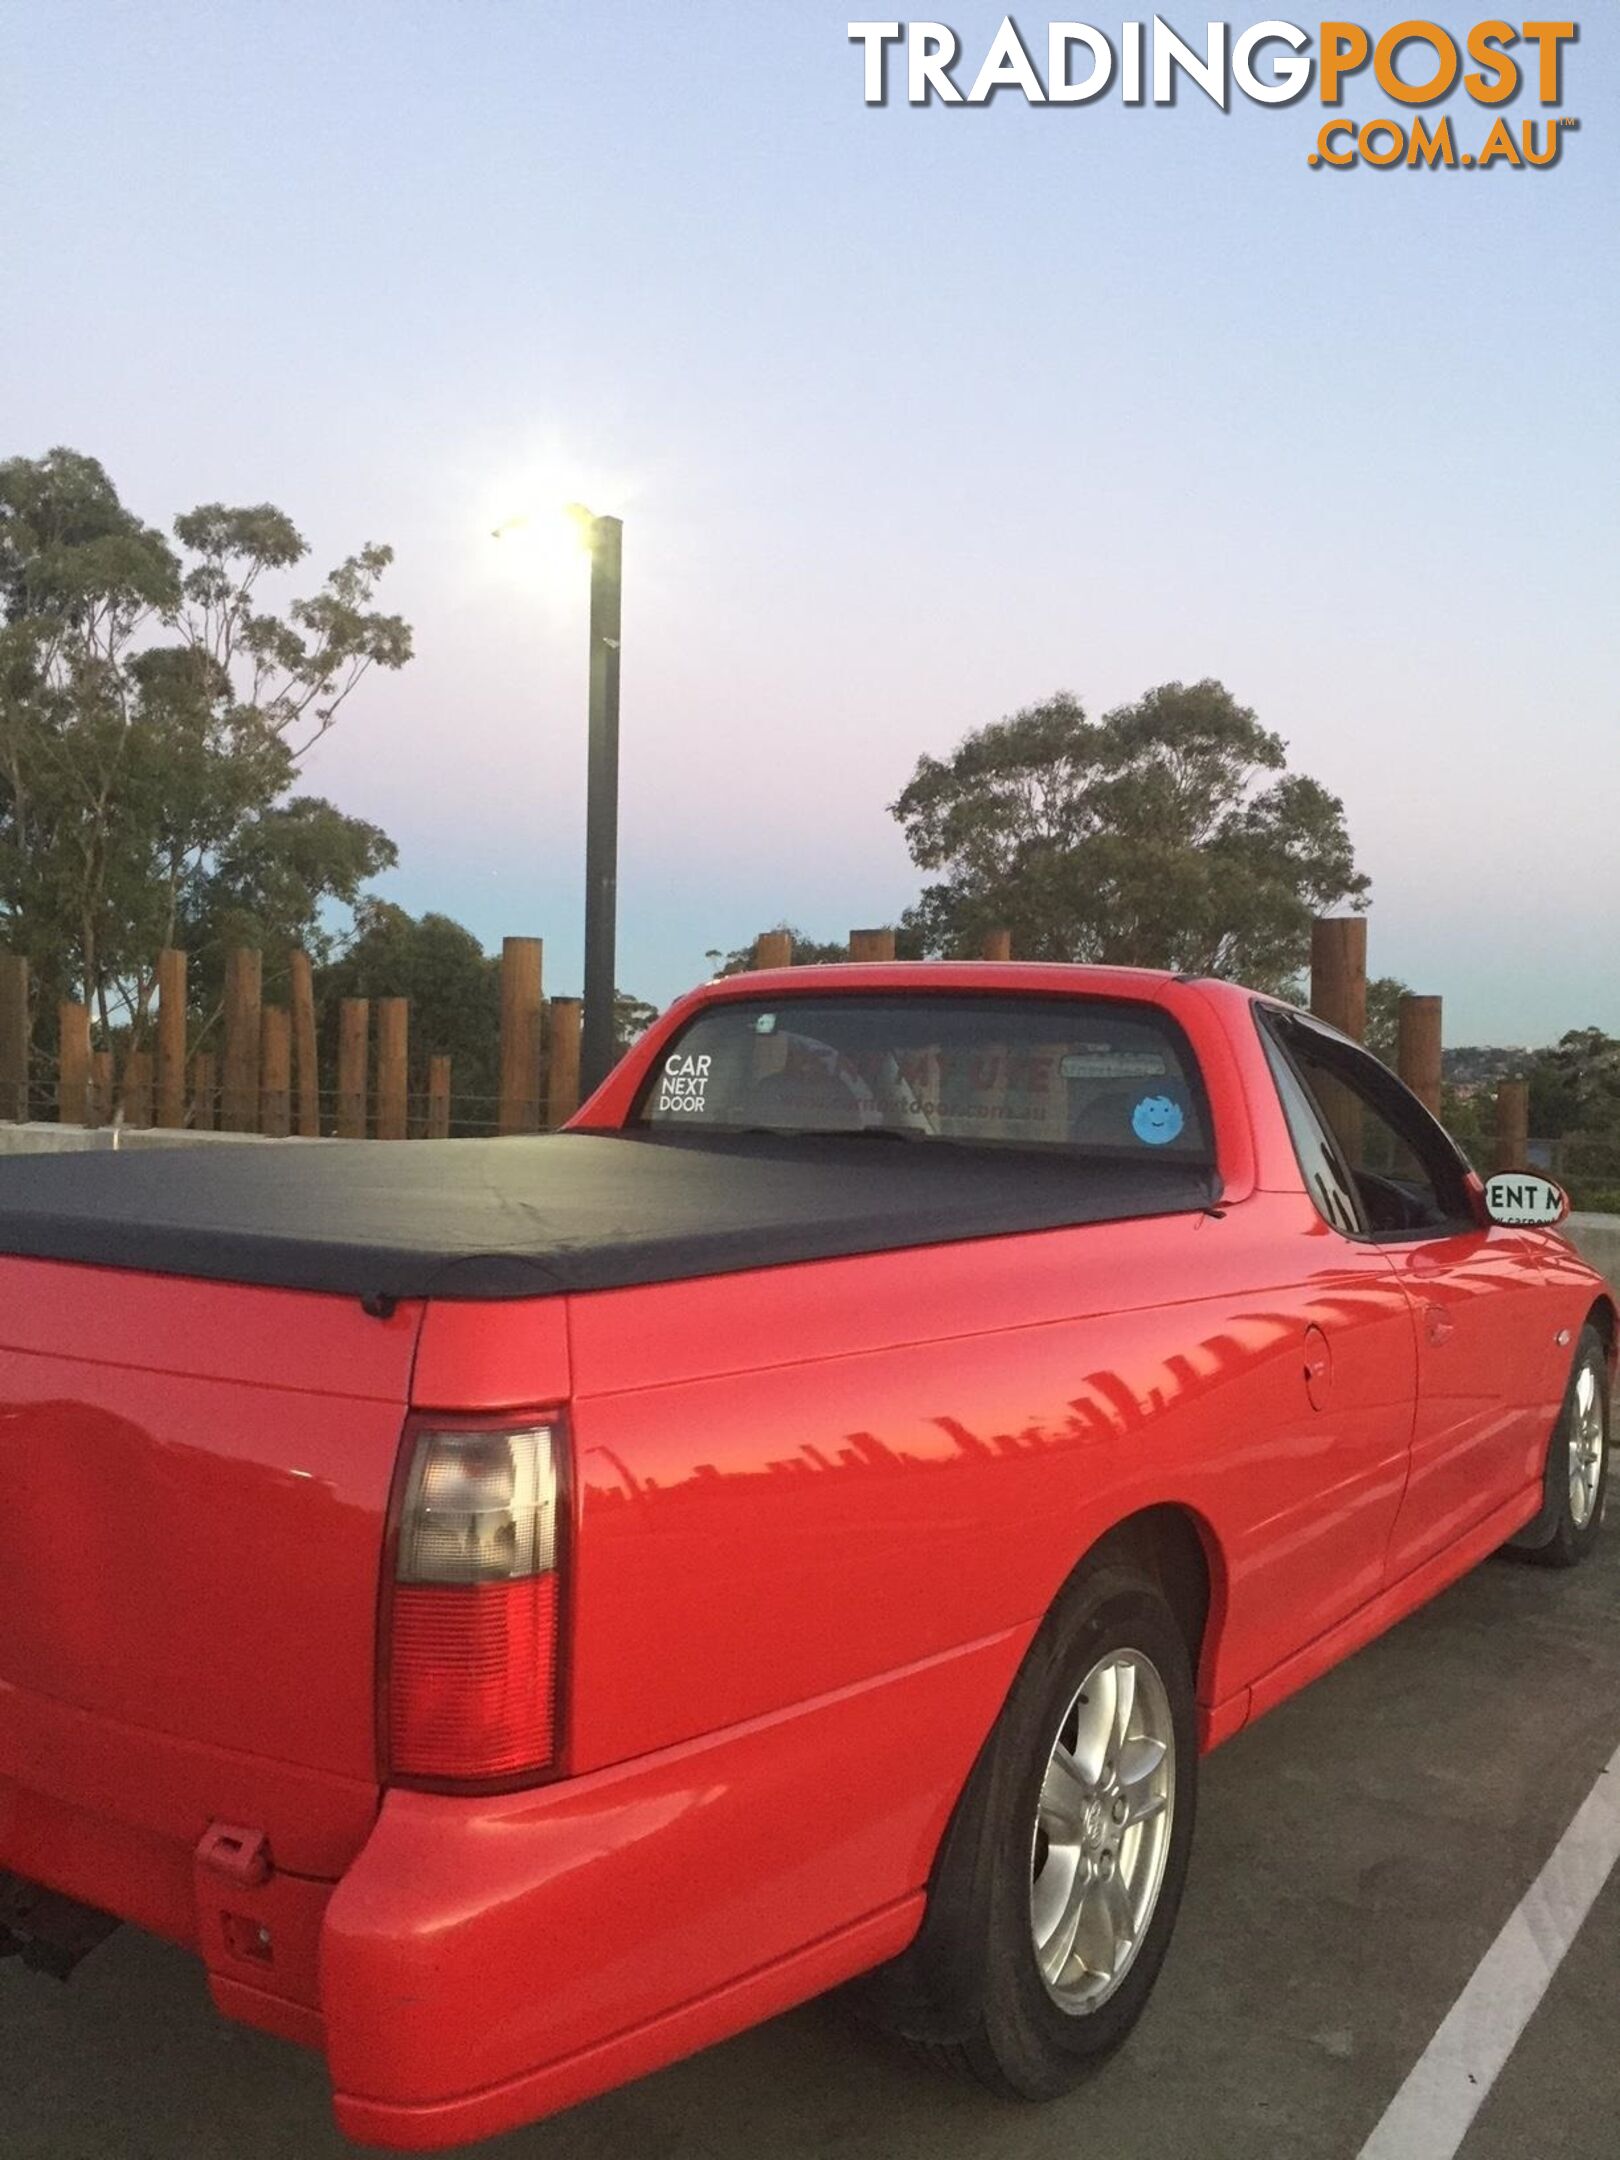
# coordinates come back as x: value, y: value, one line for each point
x: 1430, y: 2116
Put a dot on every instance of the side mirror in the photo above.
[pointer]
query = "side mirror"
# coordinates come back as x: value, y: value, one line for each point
x: 1520, y: 1200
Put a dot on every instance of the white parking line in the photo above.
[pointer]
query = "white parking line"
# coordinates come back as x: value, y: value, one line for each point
x: 1429, y: 2117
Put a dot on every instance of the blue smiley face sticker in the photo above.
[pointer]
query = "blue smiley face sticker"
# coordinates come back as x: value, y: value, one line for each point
x: 1157, y: 1120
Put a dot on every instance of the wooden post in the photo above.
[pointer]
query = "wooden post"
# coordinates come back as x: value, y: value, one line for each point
x: 244, y: 980
x: 519, y: 1110
x: 135, y: 1097
x: 393, y: 1066
x: 997, y: 945
x: 306, y: 1063
x: 73, y: 1064
x: 354, y: 1029
x: 1417, y: 1055
x: 1512, y: 1124
x: 99, y: 1107
x: 773, y: 949
x: 204, y: 1091
x: 171, y: 1038
x: 275, y: 1073
x: 13, y: 1036
x: 1339, y: 973
x: 562, y: 1076
x: 438, y: 1110
x: 871, y: 944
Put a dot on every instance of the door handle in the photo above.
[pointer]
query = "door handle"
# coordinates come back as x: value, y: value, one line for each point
x: 1441, y: 1325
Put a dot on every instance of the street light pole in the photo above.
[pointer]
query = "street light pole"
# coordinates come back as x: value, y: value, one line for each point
x: 597, y: 1053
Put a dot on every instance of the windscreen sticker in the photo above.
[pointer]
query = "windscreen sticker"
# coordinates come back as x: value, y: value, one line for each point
x: 1156, y: 1120
x: 1112, y: 1065
x: 684, y: 1085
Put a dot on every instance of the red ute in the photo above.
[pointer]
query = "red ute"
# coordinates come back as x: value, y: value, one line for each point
x: 523, y: 1610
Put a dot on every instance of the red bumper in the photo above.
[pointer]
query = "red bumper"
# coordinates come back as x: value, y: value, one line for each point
x: 488, y: 1961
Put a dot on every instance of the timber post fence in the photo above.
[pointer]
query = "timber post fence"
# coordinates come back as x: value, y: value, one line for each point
x: 562, y: 1063
x: 244, y: 989
x: 393, y: 1067
x: 13, y: 1036
x: 1418, y: 1057
x: 171, y: 1035
x: 519, y: 1110
x: 265, y: 1076
x: 1512, y: 1125
x: 306, y: 1065
x: 354, y: 1064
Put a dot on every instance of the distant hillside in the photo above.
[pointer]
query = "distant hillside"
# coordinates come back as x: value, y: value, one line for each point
x: 1483, y: 1065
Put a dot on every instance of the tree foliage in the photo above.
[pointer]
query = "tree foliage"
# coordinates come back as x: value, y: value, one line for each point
x: 155, y: 711
x: 632, y: 1017
x: 1170, y: 833
x: 453, y: 984
x: 1575, y: 1086
x: 1383, y: 1036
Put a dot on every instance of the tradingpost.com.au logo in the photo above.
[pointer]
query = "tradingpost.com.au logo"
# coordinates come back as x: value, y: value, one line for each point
x: 1414, y: 65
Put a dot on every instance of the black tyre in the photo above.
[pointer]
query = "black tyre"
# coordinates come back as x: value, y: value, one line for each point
x: 1577, y: 1480
x: 1056, y: 1890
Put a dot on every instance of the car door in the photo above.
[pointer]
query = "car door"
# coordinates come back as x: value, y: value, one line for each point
x: 1342, y: 1449
x: 1478, y: 1298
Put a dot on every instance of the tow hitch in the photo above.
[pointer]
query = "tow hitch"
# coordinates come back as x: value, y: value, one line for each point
x: 49, y: 1933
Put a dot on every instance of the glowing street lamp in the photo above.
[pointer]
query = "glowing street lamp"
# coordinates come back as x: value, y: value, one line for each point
x: 603, y: 540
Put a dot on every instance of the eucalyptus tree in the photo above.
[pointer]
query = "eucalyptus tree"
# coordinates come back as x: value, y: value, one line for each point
x: 1170, y: 833
x: 156, y: 708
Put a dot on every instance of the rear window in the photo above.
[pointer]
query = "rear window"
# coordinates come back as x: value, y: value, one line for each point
x: 1083, y: 1074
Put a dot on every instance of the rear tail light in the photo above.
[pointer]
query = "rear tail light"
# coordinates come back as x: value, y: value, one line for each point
x: 472, y: 1621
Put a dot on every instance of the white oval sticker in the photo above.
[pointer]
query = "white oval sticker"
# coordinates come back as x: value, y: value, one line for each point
x: 1520, y: 1200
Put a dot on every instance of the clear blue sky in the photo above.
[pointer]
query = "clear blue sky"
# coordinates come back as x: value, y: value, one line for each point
x: 915, y: 416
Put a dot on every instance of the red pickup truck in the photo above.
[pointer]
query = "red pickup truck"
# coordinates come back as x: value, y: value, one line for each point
x: 522, y: 1610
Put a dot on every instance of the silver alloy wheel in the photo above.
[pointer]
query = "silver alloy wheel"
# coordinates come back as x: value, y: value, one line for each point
x: 1102, y: 1830
x: 1587, y: 1442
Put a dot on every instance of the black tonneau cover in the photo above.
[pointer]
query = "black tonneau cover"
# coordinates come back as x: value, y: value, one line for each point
x: 538, y: 1217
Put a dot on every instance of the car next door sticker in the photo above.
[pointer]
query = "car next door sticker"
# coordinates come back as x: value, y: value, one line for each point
x: 684, y: 1085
